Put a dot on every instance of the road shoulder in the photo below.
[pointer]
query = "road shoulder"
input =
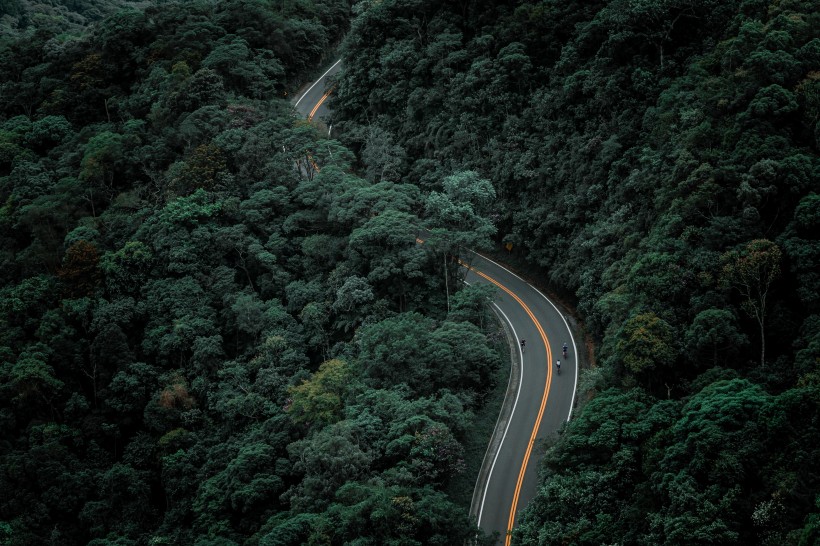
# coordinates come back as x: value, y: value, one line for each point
x: 504, y: 416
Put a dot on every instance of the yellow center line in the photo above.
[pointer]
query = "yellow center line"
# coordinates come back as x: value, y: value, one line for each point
x: 544, y: 397
x: 318, y: 104
x: 310, y: 117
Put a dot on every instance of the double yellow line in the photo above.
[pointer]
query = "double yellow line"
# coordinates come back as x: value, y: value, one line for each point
x: 544, y: 397
x: 310, y: 117
x: 318, y: 104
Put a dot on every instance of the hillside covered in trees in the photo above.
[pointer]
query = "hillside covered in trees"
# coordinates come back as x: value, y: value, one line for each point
x: 212, y: 331
x: 658, y: 162
x: 216, y: 326
x: 19, y: 17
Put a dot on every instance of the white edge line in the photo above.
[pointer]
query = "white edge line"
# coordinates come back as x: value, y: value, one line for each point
x: 509, y: 421
x: 314, y: 83
x: 490, y: 443
x: 574, y: 347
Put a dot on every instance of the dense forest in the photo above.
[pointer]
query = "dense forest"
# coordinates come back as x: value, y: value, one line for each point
x: 20, y: 17
x: 212, y: 330
x: 657, y: 162
x: 217, y: 327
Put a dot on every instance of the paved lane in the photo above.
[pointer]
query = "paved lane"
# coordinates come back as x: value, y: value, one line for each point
x: 541, y: 402
x: 312, y: 103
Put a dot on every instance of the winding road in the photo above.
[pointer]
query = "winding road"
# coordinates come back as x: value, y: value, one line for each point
x: 538, y: 400
x: 311, y: 102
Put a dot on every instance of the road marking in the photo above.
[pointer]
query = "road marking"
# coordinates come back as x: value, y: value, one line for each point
x: 315, y: 108
x: 318, y: 104
x: 566, y: 324
x: 544, y: 397
x: 317, y: 81
x: 310, y: 117
x: 509, y: 421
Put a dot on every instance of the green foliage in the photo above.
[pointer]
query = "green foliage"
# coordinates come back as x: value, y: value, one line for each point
x: 31, y: 376
x: 126, y: 269
x: 801, y: 247
x: 710, y: 470
x: 752, y: 270
x: 657, y: 162
x: 321, y: 399
x: 203, y: 169
x: 713, y: 332
x: 179, y: 360
x: 647, y: 344
x: 457, y: 216
x: 180, y: 256
x: 413, y: 350
x: 470, y: 304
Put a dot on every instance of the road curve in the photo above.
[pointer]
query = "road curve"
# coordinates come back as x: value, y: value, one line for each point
x: 538, y: 400
x: 311, y: 102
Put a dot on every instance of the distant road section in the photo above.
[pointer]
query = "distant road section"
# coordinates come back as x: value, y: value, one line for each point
x: 538, y: 401
x: 311, y: 102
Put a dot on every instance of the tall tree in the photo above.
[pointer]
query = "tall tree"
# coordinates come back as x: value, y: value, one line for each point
x: 751, y: 270
x: 458, y: 219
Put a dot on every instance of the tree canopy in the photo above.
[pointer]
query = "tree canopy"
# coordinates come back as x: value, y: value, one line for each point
x: 217, y: 325
x: 188, y: 316
x: 656, y: 165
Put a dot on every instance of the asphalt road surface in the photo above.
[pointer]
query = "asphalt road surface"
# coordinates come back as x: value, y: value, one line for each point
x: 311, y: 102
x: 539, y: 399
